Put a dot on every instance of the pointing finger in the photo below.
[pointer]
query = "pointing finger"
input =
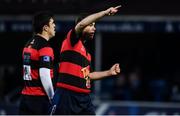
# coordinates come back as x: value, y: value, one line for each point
x: 117, y: 7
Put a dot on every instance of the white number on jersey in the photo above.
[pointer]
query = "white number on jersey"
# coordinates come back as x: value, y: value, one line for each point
x: 27, y: 72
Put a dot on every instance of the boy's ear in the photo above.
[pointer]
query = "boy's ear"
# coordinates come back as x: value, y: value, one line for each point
x: 45, y: 27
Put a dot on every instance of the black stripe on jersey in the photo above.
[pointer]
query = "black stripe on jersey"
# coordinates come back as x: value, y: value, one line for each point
x: 34, y: 64
x: 26, y: 58
x: 33, y: 83
x: 72, y: 80
x: 38, y: 42
x: 74, y: 57
x: 46, y: 64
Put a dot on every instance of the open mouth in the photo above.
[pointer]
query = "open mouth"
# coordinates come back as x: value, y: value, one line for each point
x: 92, y: 34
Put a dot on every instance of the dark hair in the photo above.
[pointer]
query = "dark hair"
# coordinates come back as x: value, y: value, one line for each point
x: 81, y: 17
x: 40, y: 19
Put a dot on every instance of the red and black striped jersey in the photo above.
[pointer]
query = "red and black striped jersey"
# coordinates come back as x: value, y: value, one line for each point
x: 72, y: 59
x: 37, y: 54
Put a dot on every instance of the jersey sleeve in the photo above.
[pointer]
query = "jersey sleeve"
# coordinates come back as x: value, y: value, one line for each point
x: 46, y: 57
x: 74, y: 37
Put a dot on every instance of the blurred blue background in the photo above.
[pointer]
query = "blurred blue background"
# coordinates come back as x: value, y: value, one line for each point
x: 143, y: 37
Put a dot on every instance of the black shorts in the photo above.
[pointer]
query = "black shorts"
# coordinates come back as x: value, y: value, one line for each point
x: 67, y: 102
x: 34, y: 105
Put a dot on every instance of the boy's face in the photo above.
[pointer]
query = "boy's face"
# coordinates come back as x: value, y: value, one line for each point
x: 89, y: 30
x: 51, y: 28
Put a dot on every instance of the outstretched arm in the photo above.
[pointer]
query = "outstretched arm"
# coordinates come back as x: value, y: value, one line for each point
x: 77, y: 31
x: 114, y: 70
x: 94, y: 17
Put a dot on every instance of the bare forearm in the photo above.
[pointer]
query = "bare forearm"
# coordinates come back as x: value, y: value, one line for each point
x: 99, y: 75
x: 91, y: 18
x: 114, y: 70
x: 88, y: 20
x: 94, y: 17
